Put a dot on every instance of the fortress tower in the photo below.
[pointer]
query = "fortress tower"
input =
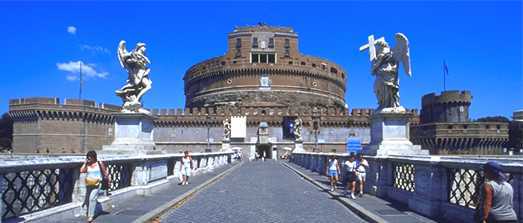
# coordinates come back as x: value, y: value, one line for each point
x: 264, y: 68
x: 450, y: 106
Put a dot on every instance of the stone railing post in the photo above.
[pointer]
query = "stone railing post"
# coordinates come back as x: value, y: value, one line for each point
x: 379, y: 177
x: 79, y: 186
x: 140, y: 174
x: 3, y: 187
x: 431, y: 189
x: 146, y: 171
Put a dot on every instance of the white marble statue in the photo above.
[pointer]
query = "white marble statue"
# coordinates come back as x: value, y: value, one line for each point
x: 138, y: 83
x: 226, y: 130
x: 297, y: 129
x: 385, y: 64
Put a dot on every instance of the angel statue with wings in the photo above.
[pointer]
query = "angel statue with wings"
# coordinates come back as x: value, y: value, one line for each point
x: 138, y: 82
x: 297, y: 129
x: 385, y: 64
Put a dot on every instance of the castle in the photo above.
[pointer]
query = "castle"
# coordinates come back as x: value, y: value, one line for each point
x: 265, y: 79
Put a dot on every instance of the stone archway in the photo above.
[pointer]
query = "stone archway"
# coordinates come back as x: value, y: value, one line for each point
x: 264, y: 150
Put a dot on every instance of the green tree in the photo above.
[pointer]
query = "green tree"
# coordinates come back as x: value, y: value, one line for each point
x: 493, y: 119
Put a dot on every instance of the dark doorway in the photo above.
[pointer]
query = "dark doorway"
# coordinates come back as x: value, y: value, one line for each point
x: 264, y: 150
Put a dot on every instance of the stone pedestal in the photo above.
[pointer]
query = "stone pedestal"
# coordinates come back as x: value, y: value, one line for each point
x: 390, y: 135
x: 226, y: 145
x: 133, y: 135
x: 298, y: 146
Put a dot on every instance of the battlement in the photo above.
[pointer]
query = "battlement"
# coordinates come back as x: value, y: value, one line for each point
x: 518, y: 116
x: 54, y: 102
x: 261, y: 27
x: 447, y: 97
x: 255, y: 111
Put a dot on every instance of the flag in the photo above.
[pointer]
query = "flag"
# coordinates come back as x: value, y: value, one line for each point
x: 445, y: 68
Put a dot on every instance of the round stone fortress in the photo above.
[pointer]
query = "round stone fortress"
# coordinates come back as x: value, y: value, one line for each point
x: 264, y: 68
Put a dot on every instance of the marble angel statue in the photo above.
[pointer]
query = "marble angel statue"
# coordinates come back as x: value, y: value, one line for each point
x: 138, y: 83
x: 385, y: 66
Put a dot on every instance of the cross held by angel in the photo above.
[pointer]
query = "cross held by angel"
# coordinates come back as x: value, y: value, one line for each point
x: 385, y: 65
x: 138, y: 83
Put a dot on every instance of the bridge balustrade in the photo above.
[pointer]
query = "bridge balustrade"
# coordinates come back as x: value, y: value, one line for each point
x: 32, y: 184
x: 445, y: 188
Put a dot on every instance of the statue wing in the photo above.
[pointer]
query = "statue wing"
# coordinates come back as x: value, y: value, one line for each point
x: 122, y: 53
x: 402, y: 53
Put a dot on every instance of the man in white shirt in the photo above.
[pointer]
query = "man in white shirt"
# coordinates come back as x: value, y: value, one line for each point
x: 361, y: 167
x: 350, y: 166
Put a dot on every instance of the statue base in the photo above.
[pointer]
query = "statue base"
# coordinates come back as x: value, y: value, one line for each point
x: 133, y: 135
x: 390, y: 135
x: 226, y: 145
x: 298, y: 146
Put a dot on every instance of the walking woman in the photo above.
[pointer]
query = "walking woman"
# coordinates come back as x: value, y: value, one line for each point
x: 186, y: 168
x: 333, y: 171
x: 496, y: 194
x: 350, y: 166
x: 95, y: 174
x: 361, y: 167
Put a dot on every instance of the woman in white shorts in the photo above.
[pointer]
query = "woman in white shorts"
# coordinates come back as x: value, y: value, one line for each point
x: 333, y: 171
x: 361, y: 173
x: 186, y: 168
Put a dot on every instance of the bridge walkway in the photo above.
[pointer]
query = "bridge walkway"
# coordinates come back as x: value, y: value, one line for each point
x: 389, y: 211
x: 262, y: 192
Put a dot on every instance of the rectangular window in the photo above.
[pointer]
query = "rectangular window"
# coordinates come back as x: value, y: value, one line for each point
x: 254, y: 42
x: 238, y: 43
x: 254, y: 58
x: 271, y: 58
x: 287, y: 43
x: 263, y: 58
x: 271, y: 42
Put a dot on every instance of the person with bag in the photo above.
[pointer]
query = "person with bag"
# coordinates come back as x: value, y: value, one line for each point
x: 186, y: 168
x: 96, y: 174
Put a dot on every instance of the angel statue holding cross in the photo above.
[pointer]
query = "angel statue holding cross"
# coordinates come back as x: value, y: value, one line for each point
x: 385, y: 64
x: 137, y: 65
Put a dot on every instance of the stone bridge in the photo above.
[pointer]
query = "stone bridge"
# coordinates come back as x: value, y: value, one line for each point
x: 145, y: 189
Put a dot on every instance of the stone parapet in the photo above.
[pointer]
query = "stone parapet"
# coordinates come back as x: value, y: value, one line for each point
x: 65, y: 187
x: 444, y: 188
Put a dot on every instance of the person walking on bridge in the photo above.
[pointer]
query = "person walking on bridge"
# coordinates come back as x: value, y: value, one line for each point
x: 96, y: 174
x: 496, y: 194
x: 350, y: 175
x: 186, y: 168
x: 333, y: 171
x: 361, y: 167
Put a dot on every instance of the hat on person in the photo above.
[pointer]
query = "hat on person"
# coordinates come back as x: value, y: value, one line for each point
x: 494, y: 168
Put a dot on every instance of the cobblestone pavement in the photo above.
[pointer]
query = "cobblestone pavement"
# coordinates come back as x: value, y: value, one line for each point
x: 392, y: 212
x: 131, y: 209
x: 262, y: 192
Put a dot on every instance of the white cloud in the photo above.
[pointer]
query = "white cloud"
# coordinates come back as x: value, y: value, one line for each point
x: 73, y: 69
x: 94, y: 49
x: 71, y: 30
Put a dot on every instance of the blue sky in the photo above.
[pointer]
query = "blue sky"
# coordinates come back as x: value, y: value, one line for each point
x: 481, y: 42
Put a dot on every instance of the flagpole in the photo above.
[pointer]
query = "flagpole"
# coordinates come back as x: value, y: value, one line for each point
x: 83, y: 130
x: 445, y: 71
